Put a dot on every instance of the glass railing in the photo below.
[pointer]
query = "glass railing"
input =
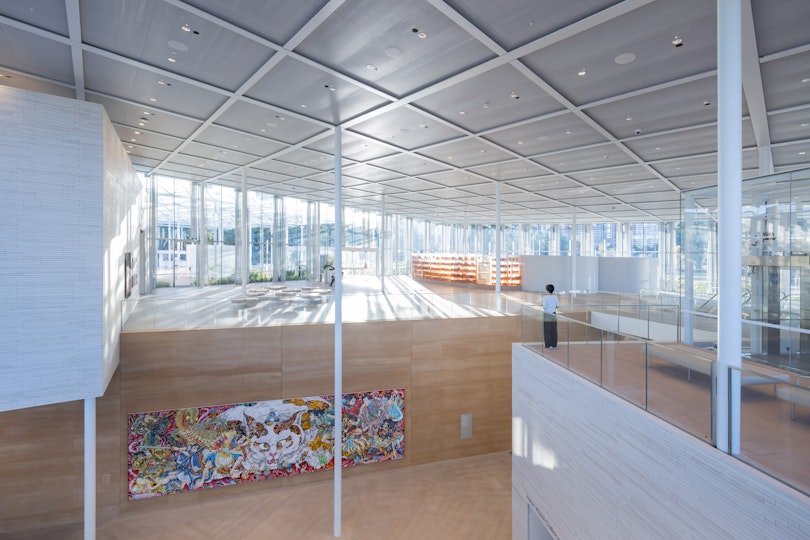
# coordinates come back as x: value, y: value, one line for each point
x: 775, y: 424
x: 674, y: 382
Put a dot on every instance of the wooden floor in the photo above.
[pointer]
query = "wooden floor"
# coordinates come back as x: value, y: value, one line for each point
x: 456, y: 499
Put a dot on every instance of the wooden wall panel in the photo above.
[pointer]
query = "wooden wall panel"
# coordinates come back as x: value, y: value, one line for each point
x: 461, y: 366
x: 183, y: 368
x: 308, y: 360
x: 447, y: 367
x: 41, y: 465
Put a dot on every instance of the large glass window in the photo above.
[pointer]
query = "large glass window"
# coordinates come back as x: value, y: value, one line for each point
x: 260, y: 215
x: 220, y: 226
x: 176, y: 241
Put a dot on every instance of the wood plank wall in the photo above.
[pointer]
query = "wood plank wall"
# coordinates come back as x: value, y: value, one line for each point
x: 448, y: 367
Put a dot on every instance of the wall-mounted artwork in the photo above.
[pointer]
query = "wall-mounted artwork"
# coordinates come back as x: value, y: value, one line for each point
x: 196, y: 448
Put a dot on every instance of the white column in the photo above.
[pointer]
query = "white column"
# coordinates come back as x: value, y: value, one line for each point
x: 729, y: 173
x: 497, y: 237
x: 382, y: 246
x: 90, y: 469
x: 573, y: 248
x: 689, y: 271
x: 244, y: 226
x: 338, y: 427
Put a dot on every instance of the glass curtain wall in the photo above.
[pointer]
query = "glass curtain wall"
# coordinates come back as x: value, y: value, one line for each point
x: 176, y: 220
x: 220, y: 227
x: 261, y: 211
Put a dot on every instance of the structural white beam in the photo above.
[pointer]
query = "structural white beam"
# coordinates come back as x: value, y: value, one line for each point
x: 338, y: 427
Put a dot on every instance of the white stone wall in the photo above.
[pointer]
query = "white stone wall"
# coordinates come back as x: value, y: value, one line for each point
x: 57, y: 314
x: 596, y: 466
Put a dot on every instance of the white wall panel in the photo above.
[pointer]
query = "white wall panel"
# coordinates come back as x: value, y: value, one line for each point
x: 598, y: 467
x: 52, y: 244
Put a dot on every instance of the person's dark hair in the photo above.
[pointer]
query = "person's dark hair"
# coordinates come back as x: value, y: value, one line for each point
x: 550, y: 288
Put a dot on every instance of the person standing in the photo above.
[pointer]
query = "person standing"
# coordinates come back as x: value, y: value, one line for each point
x: 550, y: 304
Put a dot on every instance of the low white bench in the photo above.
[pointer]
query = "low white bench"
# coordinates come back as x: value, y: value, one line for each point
x: 701, y: 365
x: 795, y: 395
x: 751, y: 378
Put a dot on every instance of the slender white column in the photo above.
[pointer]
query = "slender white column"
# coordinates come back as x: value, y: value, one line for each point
x: 729, y: 172
x: 689, y: 272
x: 338, y: 427
x: 382, y: 246
x: 245, y: 243
x: 497, y: 237
x: 90, y: 469
x: 573, y: 249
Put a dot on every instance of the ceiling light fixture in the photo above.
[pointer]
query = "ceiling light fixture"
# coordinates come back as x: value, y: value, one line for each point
x: 707, y: 103
x: 329, y: 87
x: 568, y: 132
x: 514, y: 95
x: 462, y: 112
x: 172, y: 60
x: 582, y: 72
x: 806, y: 80
x: 805, y: 124
x: 137, y: 132
x: 677, y: 41
x: 372, y: 67
x: 625, y: 58
x: 185, y: 28
x: 485, y: 105
x: 422, y: 35
x: 802, y: 153
x: 153, y: 100
x: 629, y: 118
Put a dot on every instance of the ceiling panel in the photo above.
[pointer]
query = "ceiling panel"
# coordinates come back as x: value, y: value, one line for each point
x: 682, y: 142
x: 511, y: 169
x: 610, y: 175
x: 645, y: 33
x: 557, y: 132
x: 786, y: 81
x: 515, y: 22
x: 31, y: 54
x: 13, y: 79
x: 786, y: 127
x: 296, y: 86
x: 780, y: 27
x: 593, y: 157
x: 276, y: 124
x: 406, y: 128
x: 148, y: 88
x: 408, y: 164
x: 494, y: 98
x: 276, y: 21
x: 386, y: 35
x: 153, y: 32
x: 147, y: 138
x: 228, y: 138
x: 467, y: 152
x: 354, y: 147
x: 153, y: 119
x: 370, y: 173
x: 45, y: 14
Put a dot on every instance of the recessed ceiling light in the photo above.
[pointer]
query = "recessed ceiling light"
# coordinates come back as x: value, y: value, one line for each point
x: 677, y: 41
x: 280, y: 117
x: 136, y: 132
x: 303, y: 106
x: 462, y: 112
x: 802, y: 153
x: 625, y: 58
x: 449, y: 157
x: 485, y: 105
x: 582, y: 72
x: 707, y: 103
x: 483, y: 151
x: 629, y: 118
x: 520, y: 142
x: 132, y: 140
x: 152, y: 99
x: 141, y: 124
x: 424, y: 126
x: 329, y: 87
x: 161, y: 81
x: 514, y: 95
x: 130, y: 146
x: 172, y: 60
x: 804, y: 124
x: 185, y: 28
x: 658, y: 148
x: 806, y: 80
x: 372, y: 67
x: 422, y: 35
x: 568, y: 132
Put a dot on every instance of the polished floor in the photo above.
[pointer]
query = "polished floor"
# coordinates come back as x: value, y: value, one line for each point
x: 451, y: 500
x: 364, y: 298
